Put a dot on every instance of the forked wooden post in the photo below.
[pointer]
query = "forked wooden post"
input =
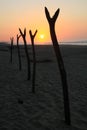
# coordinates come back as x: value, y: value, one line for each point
x: 51, y: 22
x: 11, y: 48
x: 34, y: 59
x: 19, y: 56
x: 26, y: 51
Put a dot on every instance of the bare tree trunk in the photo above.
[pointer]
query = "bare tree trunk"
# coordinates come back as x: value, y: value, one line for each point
x: 19, y: 56
x: 26, y: 51
x: 34, y: 60
x: 51, y: 22
x: 11, y: 48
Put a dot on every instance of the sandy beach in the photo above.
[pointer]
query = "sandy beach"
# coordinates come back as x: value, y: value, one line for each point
x: 43, y: 110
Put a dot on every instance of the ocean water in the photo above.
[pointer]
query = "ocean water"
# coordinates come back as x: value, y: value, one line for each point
x: 81, y: 43
x: 74, y: 43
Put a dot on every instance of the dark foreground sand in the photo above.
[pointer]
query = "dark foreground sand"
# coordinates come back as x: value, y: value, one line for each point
x: 43, y: 110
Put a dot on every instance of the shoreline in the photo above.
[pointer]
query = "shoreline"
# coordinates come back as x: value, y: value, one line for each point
x: 50, y: 44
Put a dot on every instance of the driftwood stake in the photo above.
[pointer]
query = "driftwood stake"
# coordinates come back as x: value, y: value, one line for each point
x: 11, y: 48
x: 19, y: 56
x: 26, y: 51
x: 34, y: 59
x: 51, y: 22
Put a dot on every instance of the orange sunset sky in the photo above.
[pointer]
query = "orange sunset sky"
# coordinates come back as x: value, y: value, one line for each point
x: 71, y: 24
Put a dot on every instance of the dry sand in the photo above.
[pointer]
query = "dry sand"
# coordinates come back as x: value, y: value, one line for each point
x: 43, y: 110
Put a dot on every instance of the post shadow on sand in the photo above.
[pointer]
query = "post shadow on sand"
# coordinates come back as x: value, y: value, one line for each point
x: 60, y: 62
x: 19, y: 56
x: 34, y: 59
x: 26, y: 51
x: 11, y: 48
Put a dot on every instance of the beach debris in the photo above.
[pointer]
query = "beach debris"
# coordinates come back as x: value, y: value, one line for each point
x: 20, y: 101
x: 60, y: 62
x: 26, y: 51
x: 19, y: 56
x: 34, y: 59
x: 11, y: 48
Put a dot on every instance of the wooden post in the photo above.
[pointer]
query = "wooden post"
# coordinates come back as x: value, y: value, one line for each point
x: 11, y: 48
x: 34, y: 59
x: 19, y: 56
x: 51, y: 22
x: 26, y: 51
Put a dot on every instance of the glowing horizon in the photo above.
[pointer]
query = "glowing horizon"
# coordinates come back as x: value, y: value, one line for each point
x: 71, y: 24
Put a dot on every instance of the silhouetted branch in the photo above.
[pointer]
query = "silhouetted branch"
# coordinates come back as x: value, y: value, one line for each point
x: 34, y: 59
x: 26, y: 51
x: 51, y: 22
x: 19, y: 56
x: 11, y: 48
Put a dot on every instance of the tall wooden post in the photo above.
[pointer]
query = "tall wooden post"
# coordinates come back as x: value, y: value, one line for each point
x: 11, y: 48
x: 19, y: 56
x: 34, y: 59
x: 26, y: 51
x: 51, y: 22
